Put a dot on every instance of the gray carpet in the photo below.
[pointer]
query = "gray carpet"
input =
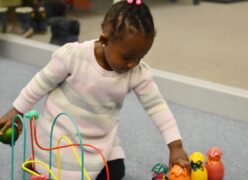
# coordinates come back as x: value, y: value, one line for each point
x: 143, y: 144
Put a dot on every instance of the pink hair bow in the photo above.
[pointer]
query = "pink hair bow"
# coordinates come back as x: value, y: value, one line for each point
x: 138, y: 2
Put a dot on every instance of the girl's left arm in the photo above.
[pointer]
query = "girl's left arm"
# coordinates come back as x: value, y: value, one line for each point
x: 154, y: 104
x: 152, y: 101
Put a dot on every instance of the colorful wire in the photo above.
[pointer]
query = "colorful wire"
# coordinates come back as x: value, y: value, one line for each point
x: 32, y: 142
x: 38, y: 162
x: 74, y: 152
x: 69, y: 145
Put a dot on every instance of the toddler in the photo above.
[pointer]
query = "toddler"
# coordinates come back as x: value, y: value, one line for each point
x: 90, y: 81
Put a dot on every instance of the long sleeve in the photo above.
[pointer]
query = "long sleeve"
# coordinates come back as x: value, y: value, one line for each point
x: 45, y: 80
x: 153, y: 103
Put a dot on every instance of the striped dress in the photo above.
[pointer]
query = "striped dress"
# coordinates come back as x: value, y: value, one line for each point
x: 75, y: 83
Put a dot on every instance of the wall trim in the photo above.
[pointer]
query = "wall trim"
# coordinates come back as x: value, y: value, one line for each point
x: 203, y: 95
x: 25, y: 50
x: 191, y: 92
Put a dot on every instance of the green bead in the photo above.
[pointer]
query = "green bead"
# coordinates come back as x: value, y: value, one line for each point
x: 32, y: 114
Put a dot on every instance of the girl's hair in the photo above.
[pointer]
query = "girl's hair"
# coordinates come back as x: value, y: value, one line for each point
x: 122, y: 17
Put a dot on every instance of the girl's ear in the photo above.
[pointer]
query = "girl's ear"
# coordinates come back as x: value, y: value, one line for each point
x: 103, y: 39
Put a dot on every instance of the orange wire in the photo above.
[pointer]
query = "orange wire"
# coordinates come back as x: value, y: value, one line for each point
x: 68, y: 145
x: 32, y: 143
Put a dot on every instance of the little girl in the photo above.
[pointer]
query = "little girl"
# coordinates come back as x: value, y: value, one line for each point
x: 90, y: 81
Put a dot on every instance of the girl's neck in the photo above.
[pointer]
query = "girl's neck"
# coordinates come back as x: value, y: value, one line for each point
x: 100, y: 57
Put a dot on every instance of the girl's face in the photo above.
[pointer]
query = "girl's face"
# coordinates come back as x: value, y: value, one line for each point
x: 123, y: 54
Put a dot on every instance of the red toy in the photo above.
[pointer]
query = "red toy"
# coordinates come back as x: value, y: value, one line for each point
x: 214, y: 164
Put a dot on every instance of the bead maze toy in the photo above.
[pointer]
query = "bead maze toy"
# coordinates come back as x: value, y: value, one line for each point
x: 11, y: 135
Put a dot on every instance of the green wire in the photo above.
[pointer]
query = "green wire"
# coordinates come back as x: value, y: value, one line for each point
x: 13, y: 144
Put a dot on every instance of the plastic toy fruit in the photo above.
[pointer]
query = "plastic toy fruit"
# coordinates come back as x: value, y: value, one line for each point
x: 198, y: 171
x: 178, y: 173
x: 214, y: 164
x: 160, y: 172
x: 6, y: 137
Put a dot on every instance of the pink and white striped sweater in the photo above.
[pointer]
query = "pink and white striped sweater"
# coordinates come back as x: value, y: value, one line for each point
x: 75, y: 83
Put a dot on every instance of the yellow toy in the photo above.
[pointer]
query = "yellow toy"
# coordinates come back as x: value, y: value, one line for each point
x: 198, y: 172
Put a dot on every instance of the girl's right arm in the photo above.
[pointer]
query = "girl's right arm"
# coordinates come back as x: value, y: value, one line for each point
x: 41, y: 84
x: 45, y: 80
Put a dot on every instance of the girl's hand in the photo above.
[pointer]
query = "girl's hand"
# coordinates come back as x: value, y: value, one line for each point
x: 178, y: 155
x: 6, y: 119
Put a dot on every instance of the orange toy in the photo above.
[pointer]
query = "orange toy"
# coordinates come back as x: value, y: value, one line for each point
x: 178, y: 173
x: 214, y: 164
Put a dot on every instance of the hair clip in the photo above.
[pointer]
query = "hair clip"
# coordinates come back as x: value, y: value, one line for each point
x: 138, y: 2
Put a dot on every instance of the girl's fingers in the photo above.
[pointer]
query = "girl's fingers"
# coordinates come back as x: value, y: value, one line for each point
x: 184, y: 164
x: 19, y: 125
x: 1, y: 132
x: 4, y: 128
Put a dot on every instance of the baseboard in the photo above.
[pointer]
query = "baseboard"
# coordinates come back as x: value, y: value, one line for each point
x: 202, y: 95
x: 25, y: 50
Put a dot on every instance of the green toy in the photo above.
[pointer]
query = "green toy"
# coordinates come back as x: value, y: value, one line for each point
x: 160, y: 172
x: 6, y: 137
